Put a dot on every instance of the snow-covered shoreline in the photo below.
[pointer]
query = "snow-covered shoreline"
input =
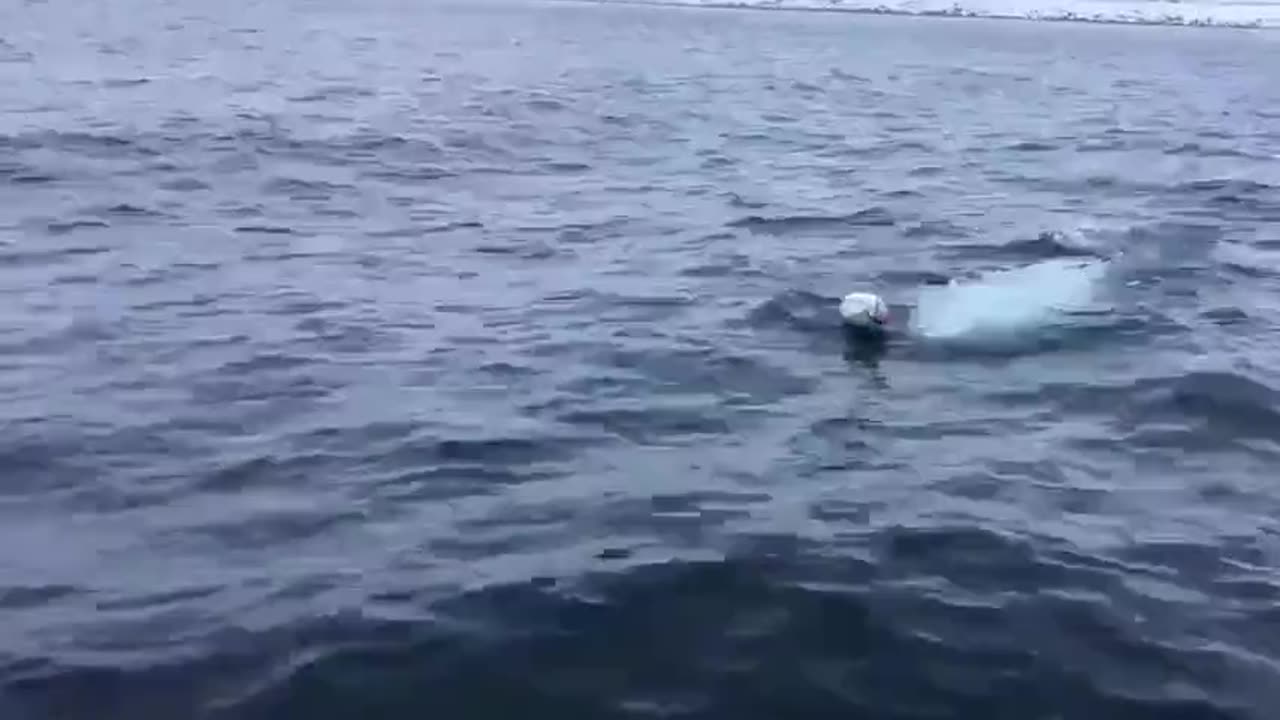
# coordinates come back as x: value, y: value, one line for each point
x: 1134, y: 12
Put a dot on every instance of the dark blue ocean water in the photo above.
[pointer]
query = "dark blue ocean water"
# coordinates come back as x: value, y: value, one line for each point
x: 418, y: 360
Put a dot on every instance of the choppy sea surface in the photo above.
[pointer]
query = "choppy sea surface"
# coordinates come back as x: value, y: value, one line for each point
x: 481, y: 360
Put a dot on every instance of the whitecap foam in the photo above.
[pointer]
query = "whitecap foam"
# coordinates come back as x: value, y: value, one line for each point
x: 1009, y: 304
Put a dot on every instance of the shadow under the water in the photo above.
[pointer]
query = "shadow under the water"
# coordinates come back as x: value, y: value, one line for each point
x: 866, y: 346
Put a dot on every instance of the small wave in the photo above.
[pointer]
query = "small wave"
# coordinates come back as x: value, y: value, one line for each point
x: 117, y: 83
x: 936, y: 229
x: 788, y: 223
x: 265, y: 229
x: 1046, y: 245
x: 300, y: 189
x: 652, y: 424
x: 1032, y: 146
x: 105, y: 213
x: 796, y: 309
x: 128, y: 209
x: 914, y: 278
x: 332, y: 92
x: 1201, y: 410
x: 61, y: 227
x: 1232, y: 403
x: 668, y: 371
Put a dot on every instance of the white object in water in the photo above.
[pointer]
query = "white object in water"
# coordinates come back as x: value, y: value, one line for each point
x: 1008, y: 302
x: 864, y: 310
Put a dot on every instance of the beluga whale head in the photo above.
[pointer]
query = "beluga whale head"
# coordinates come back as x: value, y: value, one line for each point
x: 865, y: 311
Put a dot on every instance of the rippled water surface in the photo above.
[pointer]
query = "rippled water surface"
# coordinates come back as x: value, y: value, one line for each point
x: 409, y: 359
